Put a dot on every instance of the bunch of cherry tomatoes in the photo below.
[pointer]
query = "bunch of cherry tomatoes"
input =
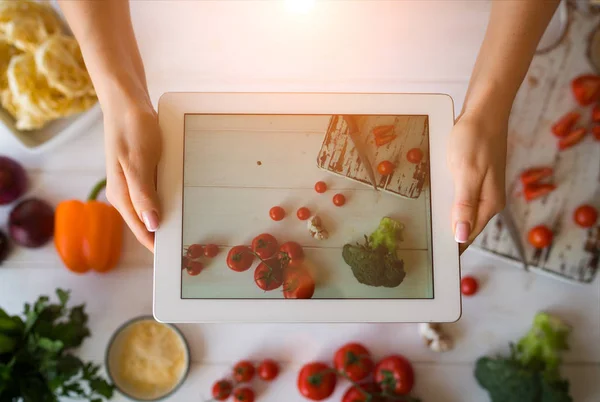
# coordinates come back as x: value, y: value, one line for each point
x: 278, y: 265
x: 391, y: 379
x: 242, y: 374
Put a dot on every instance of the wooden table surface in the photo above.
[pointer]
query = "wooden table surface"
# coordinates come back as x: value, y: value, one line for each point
x: 259, y: 46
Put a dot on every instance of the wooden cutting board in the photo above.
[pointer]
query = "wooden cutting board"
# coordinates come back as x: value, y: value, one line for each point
x: 338, y: 154
x: 544, y: 97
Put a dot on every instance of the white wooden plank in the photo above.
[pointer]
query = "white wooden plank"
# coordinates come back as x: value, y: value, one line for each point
x: 447, y: 383
x: 333, y: 278
x: 232, y: 216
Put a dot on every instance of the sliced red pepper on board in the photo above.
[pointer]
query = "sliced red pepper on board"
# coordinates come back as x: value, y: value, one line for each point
x: 384, y: 135
x: 535, y: 175
x: 572, y: 138
x: 382, y: 130
x: 596, y: 132
x: 596, y: 113
x: 564, y: 125
x: 533, y: 191
x: 586, y: 89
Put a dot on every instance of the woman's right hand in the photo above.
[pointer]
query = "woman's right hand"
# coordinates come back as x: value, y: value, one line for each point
x: 133, y: 147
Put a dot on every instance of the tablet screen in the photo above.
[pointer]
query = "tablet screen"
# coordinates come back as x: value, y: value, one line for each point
x: 282, y: 206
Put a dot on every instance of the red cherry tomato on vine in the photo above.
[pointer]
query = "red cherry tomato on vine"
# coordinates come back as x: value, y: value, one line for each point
x: 221, y: 390
x: 211, y: 250
x: 316, y: 381
x: 240, y: 258
x: 244, y: 394
x: 268, y: 275
x: 243, y: 371
x: 195, y: 251
x: 395, y: 375
x: 194, y: 268
x: 268, y: 370
x: 265, y: 245
x: 354, y: 360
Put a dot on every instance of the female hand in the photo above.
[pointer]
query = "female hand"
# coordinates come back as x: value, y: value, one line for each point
x: 133, y: 145
x: 477, y: 161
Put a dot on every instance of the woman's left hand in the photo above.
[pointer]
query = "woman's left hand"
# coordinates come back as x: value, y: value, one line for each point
x: 477, y: 161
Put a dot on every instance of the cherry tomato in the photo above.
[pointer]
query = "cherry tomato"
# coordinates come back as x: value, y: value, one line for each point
x: 585, y: 216
x: 265, y: 245
x: 354, y: 360
x: 211, y: 250
x: 298, y: 283
x: 339, y: 200
x: 316, y: 381
x: 277, y: 213
x: 540, y: 236
x: 244, y: 394
x: 361, y: 394
x: 394, y: 374
x: 195, y: 251
x: 194, y: 268
x: 240, y: 258
x: 221, y: 390
x: 243, y: 371
x: 268, y: 370
x: 468, y: 286
x: 303, y: 213
x: 414, y: 155
x: 320, y: 187
x: 586, y: 89
x: 291, y: 251
x: 268, y: 275
x: 385, y: 168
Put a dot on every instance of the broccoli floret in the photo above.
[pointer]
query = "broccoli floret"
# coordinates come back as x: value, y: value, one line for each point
x: 387, y: 235
x: 376, y: 263
x: 374, y: 267
x: 540, y: 348
x: 531, y: 372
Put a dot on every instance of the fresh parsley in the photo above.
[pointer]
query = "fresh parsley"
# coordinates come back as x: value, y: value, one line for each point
x: 35, y: 360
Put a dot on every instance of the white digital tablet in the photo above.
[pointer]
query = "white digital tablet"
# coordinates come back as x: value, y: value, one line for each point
x: 269, y: 213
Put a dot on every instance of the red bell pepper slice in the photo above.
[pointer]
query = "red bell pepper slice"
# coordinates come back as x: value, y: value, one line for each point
x: 533, y: 191
x: 535, y: 175
x: 596, y: 132
x: 572, y: 138
x: 564, y: 125
x: 596, y: 113
x: 384, y: 135
x: 586, y: 89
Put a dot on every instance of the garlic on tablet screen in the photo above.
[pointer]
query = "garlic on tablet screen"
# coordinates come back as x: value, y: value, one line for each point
x: 316, y: 229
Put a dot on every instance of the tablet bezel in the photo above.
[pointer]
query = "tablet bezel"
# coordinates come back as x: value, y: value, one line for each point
x: 169, y: 306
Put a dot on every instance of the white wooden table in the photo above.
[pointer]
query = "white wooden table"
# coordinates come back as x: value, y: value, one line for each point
x: 259, y: 46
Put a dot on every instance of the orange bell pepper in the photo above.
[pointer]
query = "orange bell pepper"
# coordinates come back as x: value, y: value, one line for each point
x: 88, y: 235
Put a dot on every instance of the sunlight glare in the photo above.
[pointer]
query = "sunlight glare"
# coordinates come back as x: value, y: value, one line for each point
x: 300, y: 6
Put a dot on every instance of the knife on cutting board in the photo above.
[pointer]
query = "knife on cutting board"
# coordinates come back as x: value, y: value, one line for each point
x: 513, y: 231
x: 359, y: 145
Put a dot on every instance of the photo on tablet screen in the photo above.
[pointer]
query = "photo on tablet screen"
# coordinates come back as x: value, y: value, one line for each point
x: 290, y: 203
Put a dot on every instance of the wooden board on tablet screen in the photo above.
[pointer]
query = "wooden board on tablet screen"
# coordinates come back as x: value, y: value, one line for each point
x: 387, y: 138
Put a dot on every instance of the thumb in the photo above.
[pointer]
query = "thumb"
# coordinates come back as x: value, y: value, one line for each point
x: 466, y: 203
x: 142, y: 191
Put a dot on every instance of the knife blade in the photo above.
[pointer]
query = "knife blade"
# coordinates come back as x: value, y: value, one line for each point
x: 359, y: 145
x: 514, y: 233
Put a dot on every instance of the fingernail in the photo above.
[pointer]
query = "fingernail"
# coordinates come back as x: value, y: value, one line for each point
x: 150, y: 219
x: 462, y: 232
